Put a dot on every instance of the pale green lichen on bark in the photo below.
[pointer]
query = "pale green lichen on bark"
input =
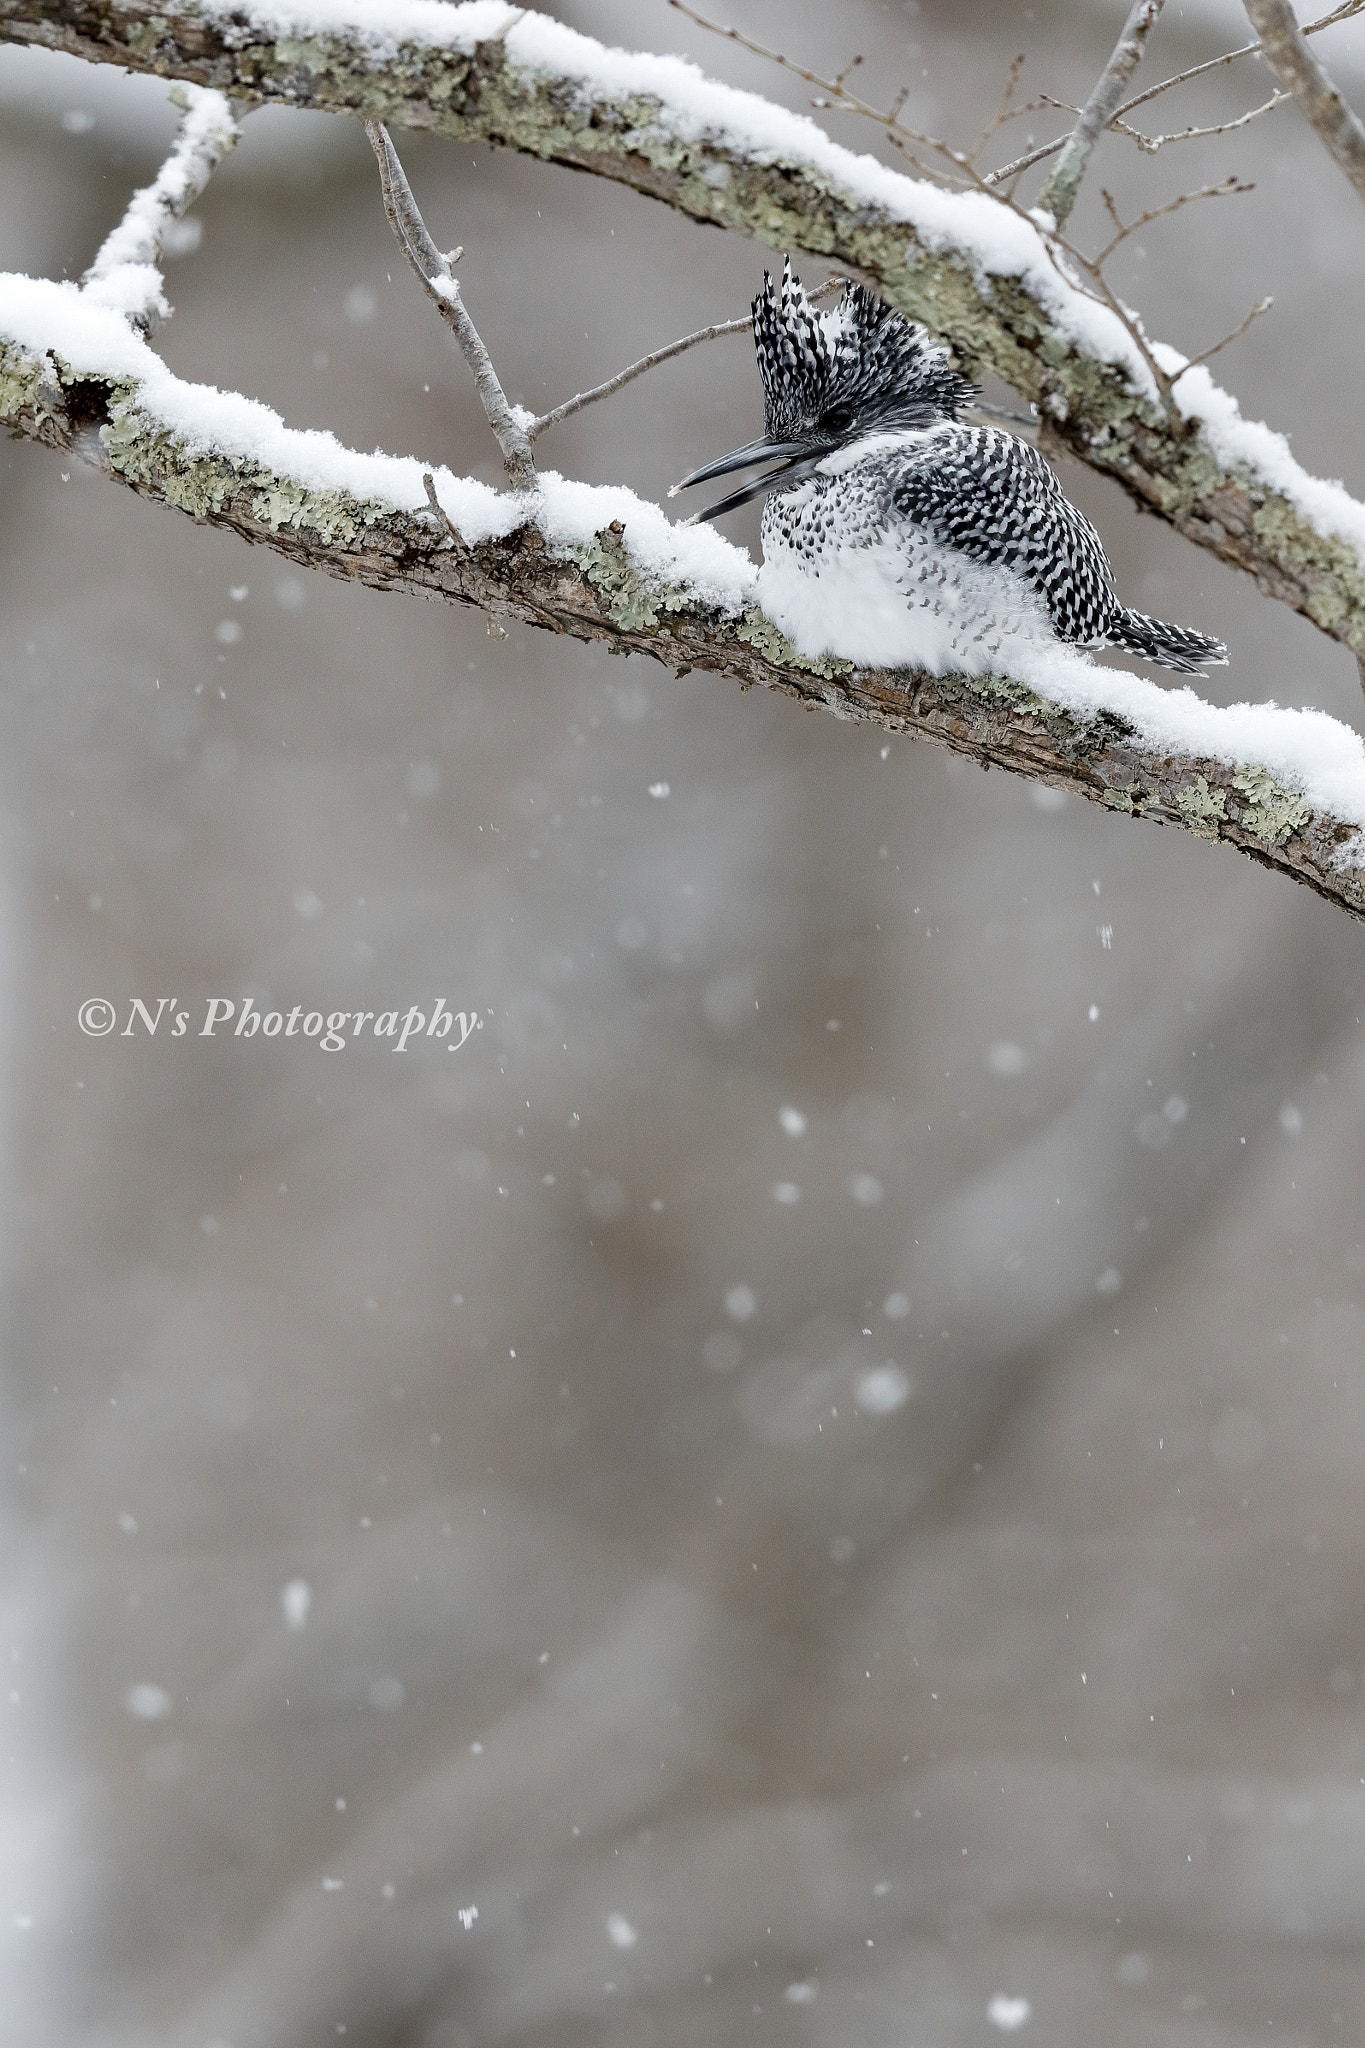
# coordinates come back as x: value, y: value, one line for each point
x: 1203, y: 809
x: 1336, y: 601
x: 1272, y: 812
x: 203, y: 484
x: 991, y: 320
x: 757, y: 630
x: 22, y: 378
x: 144, y: 452
x: 1002, y: 690
x: 633, y: 601
x: 332, y: 515
x: 142, y: 38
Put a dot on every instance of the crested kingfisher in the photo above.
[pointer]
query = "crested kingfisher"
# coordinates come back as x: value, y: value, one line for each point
x: 896, y: 534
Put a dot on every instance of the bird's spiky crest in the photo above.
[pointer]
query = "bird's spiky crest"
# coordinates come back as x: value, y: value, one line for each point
x: 862, y: 364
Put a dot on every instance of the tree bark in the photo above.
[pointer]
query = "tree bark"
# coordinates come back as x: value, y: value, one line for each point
x: 599, y: 592
x: 1090, y: 406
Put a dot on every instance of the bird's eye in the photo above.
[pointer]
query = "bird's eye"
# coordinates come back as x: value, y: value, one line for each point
x: 839, y: 418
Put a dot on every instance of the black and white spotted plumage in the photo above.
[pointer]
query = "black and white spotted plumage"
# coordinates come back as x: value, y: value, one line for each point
x: 895, y: 532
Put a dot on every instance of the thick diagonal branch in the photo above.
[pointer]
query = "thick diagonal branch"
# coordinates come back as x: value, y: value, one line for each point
x: 533, y: 559
x: 1290, y: 56
x: 1058, y: 195
x: 801, y: 193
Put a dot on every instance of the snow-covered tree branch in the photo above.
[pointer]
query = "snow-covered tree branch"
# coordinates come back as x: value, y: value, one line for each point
x: 1286, y: 787
x: 972, y: 270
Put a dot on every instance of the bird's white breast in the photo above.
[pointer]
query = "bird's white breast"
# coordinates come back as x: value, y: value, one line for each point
x: 841, y: 579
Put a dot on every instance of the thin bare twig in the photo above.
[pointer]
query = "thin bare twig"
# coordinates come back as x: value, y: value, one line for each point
x: 1150, y: 144
x: 437, y: 279
x: 1261, y: 306
x: 1330, y: 20
x: 614, y: 384
x: 514, y: 433
x: 1019, y: 164
x: 443, y: 518
x: 1002, y: 412
x: 1058, y: 195
x: 1319, y: 101
x: 1229, y: 189
x: 1046, y: 149
x: 125, y: 272
x: 1002, y: 112
x: 745, y: 325
x: 1056, y: 248
x: 897, y: 133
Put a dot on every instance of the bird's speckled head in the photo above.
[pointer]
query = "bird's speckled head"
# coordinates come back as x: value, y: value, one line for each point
x: 829, y: 379
x: 860, y: 368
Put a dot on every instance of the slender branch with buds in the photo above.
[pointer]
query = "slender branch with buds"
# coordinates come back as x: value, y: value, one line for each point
x: 1150, y: 144
x: 744, y: 325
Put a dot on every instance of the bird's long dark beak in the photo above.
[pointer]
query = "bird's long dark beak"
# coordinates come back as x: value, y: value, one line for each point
x: 786, y: 454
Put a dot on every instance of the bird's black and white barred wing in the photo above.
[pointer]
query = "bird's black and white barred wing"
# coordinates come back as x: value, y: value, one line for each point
x: 995, y: 499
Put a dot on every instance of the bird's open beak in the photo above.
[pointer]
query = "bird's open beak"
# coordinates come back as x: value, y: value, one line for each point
x: 786, y: 454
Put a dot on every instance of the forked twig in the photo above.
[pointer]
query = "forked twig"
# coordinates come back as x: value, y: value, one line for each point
x: 1150, y: 144
x: 1058, y: 195
x: 1046, y: 149
x: 1344, y: 12
x: 1229, y: 189
x: 1261, y: 306
x: 513, y: 428
x: 435, y: 274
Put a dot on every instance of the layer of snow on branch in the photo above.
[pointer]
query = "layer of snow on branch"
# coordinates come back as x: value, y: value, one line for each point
x: 998, y: 240
x: 45, y: 317
x: 1303, y: 750
x: 696, y: 557
x: 694, y: 107
x: 207, y: 130
x: 1252, y: 446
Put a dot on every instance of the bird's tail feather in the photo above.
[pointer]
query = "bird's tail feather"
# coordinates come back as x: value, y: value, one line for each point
x: 1173, y: 646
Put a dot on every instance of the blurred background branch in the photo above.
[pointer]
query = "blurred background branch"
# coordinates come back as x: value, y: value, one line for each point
x: 1286, y: 49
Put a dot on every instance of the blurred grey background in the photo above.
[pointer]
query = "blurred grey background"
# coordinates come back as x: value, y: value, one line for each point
x: 807, y: 1485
